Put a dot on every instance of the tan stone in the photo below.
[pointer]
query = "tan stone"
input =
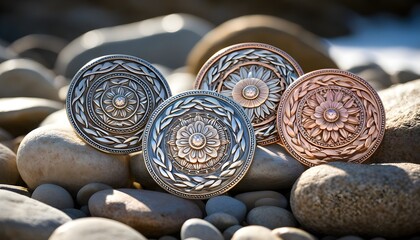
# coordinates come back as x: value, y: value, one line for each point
x: 306, y: 48
x: 8, y: 171
x: 151, y: 213
x: 357, y: 199
x: 55, y: 154
x: 401, y: 141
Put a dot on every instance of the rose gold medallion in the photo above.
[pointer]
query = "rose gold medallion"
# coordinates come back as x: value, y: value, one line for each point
x: 330, y: 115
x: 255, y: 76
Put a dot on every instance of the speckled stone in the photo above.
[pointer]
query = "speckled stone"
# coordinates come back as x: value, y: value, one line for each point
x: 88, y: 190
x: 8, y: 170
x: 272, y: 168
x: 228, y: 233
x: 95, y: 228
x: 55, y: 154
x: 153, y: 214
x: 201, y: 229
x: 53, y: 195
x: 368, y: 200
x: 401, y: 142
x: 227, y: 205
x: 250, y: 198
x: 271, y: 217
x: 221, y: 221
x: 254, y: 233
x: 291, y: 233
x: 25, y: 218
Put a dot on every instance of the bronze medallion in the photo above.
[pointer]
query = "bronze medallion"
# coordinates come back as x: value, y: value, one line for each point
x: 331, y: 115
x: 255, y: 75
x: 198, y: 144
x: 111, y: 99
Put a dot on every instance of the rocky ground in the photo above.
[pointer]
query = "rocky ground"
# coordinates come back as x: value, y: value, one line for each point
x: 54, y: 186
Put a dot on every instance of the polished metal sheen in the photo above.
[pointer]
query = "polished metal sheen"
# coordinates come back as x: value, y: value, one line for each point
x: 111, y: 99
x: 198, y: 144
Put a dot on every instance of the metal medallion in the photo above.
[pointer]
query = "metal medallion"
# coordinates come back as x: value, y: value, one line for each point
x: 331, y: 115
x: 111, y: 99
x: 255, y: 75
x: 198, y: 144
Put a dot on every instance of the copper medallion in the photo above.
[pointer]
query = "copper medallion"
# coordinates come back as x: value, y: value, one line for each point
x: 255, y: 76
x: 331, y: 115
x: 110, y: 100
x: 198, y: 144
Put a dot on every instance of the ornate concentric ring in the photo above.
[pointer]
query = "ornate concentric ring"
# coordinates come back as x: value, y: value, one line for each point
x: 331, y: 115
x: 198, y: 144
x: 255, y: 76
x: 110, y: 100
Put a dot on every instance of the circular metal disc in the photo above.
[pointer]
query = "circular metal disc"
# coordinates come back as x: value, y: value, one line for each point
x: 198, y: 144
x: 255, y: 76
x: 331, y: 115
x: 110, y: 100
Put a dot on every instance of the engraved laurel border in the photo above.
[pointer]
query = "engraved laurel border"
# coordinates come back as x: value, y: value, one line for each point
x: 210, y: 72
x: 197, y: 183
x: 375, y: 117
x: 80, y: 84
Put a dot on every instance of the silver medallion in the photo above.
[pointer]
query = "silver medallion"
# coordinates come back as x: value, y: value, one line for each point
x: 111, y: 99
x: 255, y: 75
x: 198, y: 144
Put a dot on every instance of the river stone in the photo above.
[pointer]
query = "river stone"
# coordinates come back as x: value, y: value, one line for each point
x: 164, y: 40
x: 41, y: 48
x: 221, y: 220
x: 74, y: 213
x: 271, y: 202
x: 228, y: 233
x: 16, y: 189
x: 227, y: 205
x: 139, y: 172
x: 94, y: 228
x: 57, y: 155
x: 53, y: 195
x: 151, y: 213
x: 254, y: 233
x: 8, y: 171
x: 374, y: 74
x: 88, y: 190
x: 26, y: 78
x: 59, y: 117
x: 350, y: 237
x: 200, y: 229
x: 405, y: 76
x: 250, y: 198
x: 354, y: 199
x: 180, y: 82
x: 24, y: 218
x: 401, y: 142
x: 5, y: 135
x: 306, y: 48
x: 270, y: 217
x: 272, y: 168
x: 291, y: 233
x: 21, y: 115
